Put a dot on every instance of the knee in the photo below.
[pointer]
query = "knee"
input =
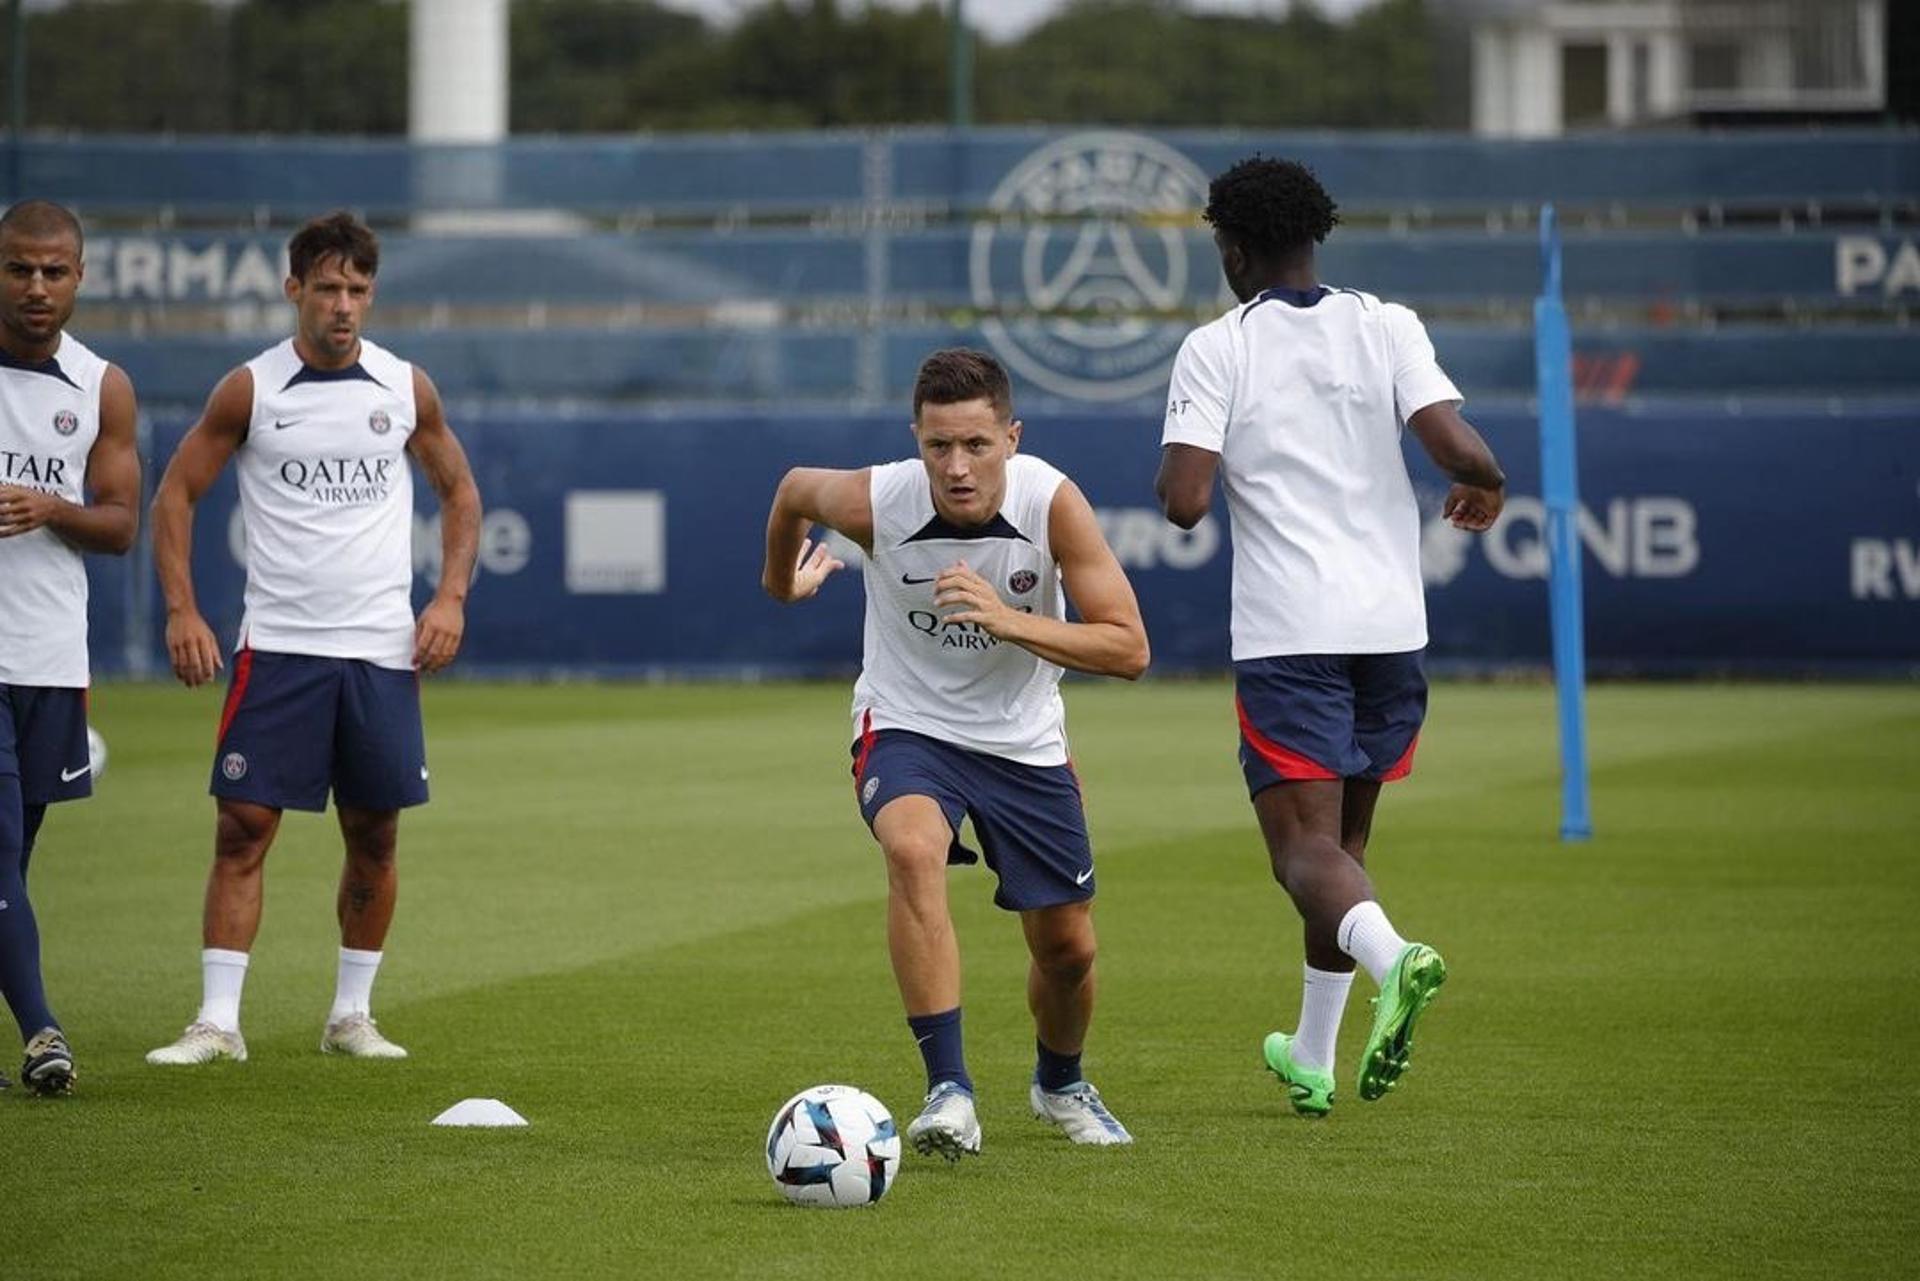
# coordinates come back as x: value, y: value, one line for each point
x: 1066, y: 958
x: 240, y: 840
x: 915, y: 858
x: 1296, y: 860
x: 372, y: 839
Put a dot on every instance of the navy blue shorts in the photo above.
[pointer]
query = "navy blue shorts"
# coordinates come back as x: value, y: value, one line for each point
x: 43, y: 742
x: 1328, y: 716
x: 297, y: 726
x: 1030, y: 821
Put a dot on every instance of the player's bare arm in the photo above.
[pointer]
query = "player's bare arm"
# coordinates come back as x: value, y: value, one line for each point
x: 809, y: 496
x: 203, y: 454
x: 1184, y: 484
x: 443, y: 623
x: 109, y: 519
x: 1109, y: 639
x: 1479, y: 486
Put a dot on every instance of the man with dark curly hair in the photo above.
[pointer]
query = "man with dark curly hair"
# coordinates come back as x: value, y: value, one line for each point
x: 1296, y: 399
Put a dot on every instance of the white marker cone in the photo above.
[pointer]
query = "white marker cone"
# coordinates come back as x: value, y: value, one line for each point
x: 480, y: 1112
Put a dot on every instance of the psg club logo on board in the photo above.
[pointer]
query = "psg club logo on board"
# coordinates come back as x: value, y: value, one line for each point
x: 380, y: 423
x: 1023, y: 581
x: 1081, y: 256
x: 66, y: 422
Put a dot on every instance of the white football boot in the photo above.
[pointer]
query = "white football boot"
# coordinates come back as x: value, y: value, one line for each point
x: 356, y: 1037
x: 200, y: 1043
x: 947, y: 1125
x: 1078, y: 1111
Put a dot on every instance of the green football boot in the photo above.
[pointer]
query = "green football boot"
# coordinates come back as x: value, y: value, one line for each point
x: 1309, y: 1089
x: 1410, y: 987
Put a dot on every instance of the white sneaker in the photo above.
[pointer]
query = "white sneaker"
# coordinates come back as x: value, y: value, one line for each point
x: 1079, y: 1111
x: 947, y: 1124
x: 200, y: 1043
x: 356, y: 1037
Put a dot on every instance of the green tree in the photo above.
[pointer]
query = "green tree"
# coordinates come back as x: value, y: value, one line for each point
x: 108, y: 67
x: 320, y: 66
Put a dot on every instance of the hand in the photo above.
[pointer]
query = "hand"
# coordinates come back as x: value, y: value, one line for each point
x: 816, y: 562
x: 436, y: 637
x: 1473, y: 508
x: 978, y: 603
x: 191, y: 647
x: 24, y: 510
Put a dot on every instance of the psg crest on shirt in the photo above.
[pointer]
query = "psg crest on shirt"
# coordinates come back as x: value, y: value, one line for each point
x: 1023, y: 581
x: 379, y: 421
x: 66, y: 422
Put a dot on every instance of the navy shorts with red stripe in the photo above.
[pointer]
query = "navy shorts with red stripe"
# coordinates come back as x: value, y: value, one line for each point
x: 1329, y: 716
x: 43, y: 742
x: 297, y: 726
x: 1029, y: 819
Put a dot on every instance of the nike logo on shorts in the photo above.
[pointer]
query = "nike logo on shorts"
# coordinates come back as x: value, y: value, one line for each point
x: 68, y: 775
x: 1083, y: 877
x: 911, y: 581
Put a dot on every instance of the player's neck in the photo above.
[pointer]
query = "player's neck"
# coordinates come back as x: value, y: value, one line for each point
x: 29, y: 351
x: 1296, y: 277
x: 314, y: 358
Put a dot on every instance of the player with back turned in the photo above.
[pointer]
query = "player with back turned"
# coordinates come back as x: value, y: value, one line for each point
x: 1295, y: 399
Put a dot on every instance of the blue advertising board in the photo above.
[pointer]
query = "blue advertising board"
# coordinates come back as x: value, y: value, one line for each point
x: 1779, y: 539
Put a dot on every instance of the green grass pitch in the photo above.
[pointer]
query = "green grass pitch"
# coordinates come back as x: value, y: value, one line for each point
x: 646, y: 915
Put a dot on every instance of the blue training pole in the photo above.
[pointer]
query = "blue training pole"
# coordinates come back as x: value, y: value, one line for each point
x: 1560, y: 492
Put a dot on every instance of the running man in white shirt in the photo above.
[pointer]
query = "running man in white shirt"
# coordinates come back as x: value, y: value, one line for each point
x: 957, y: 714
x: 325, y: 693
x: 69, y: 484
x: 1296, y: 399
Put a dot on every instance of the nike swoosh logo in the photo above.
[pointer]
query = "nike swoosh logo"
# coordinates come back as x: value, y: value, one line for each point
x: 68, y: 775
x: 912, y: 581
x: 1084, y: 877
x: 291, y: 422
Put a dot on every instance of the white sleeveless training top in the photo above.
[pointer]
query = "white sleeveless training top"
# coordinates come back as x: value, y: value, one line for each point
x: 327, y: 499
x: 951, y: 681
x: 49, y: 419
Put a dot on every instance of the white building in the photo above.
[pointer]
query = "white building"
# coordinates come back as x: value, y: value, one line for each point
x: 1544, y: 67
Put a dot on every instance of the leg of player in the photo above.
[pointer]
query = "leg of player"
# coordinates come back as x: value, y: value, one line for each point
x: 243, y: 833
x: 914, y: 835
x: 47, y: 1067
x: 369, y: 889
x: 1060, y: 989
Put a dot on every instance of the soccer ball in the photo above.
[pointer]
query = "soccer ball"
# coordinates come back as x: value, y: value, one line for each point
x: 96, y: 751
x: 833, y: 1146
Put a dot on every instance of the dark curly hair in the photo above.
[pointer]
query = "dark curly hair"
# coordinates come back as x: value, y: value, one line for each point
x: 335, y: 235
x: 1269, y: 206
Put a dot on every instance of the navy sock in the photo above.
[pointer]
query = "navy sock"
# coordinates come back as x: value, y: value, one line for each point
x: 35, y: 815
x: 19, y: 932
x: 940, y: 1047
x: 1055, y: 1071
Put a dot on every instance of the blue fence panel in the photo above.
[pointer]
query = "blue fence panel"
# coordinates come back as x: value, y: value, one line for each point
x: 622, y: 543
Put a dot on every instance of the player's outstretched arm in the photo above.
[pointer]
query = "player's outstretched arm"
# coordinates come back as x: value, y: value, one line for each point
x: 203, y: 454
x: 1109, y: 639
x: 110, y: 517
x: 1479, y: 486
x: 809, y: 496
x: 443, y: 623
x: 1184, y: 484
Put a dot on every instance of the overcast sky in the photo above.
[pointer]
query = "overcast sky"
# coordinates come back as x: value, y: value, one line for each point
x: 1003, y: 19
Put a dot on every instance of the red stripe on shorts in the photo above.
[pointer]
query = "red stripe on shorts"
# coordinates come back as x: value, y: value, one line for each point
x: 1403, y: 766
x: 866, y: 746
x: 242, y: 670
x: 1287, y: 764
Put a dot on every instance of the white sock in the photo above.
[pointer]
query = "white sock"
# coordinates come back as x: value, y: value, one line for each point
x: 353, y: 993
x: 222, y: 975
x: 1368, y: 937
x: 1323, y: 999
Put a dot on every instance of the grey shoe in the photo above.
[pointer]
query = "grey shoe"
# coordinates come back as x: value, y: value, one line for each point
x: 947, y: 1125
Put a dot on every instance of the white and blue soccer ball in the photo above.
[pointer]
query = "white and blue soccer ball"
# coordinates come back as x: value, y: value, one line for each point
x: 834, y: 1146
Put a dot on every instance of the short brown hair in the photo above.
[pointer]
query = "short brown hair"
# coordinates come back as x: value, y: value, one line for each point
x: 43, y: 220
x: 957, y: 374
x: 335, y: 235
